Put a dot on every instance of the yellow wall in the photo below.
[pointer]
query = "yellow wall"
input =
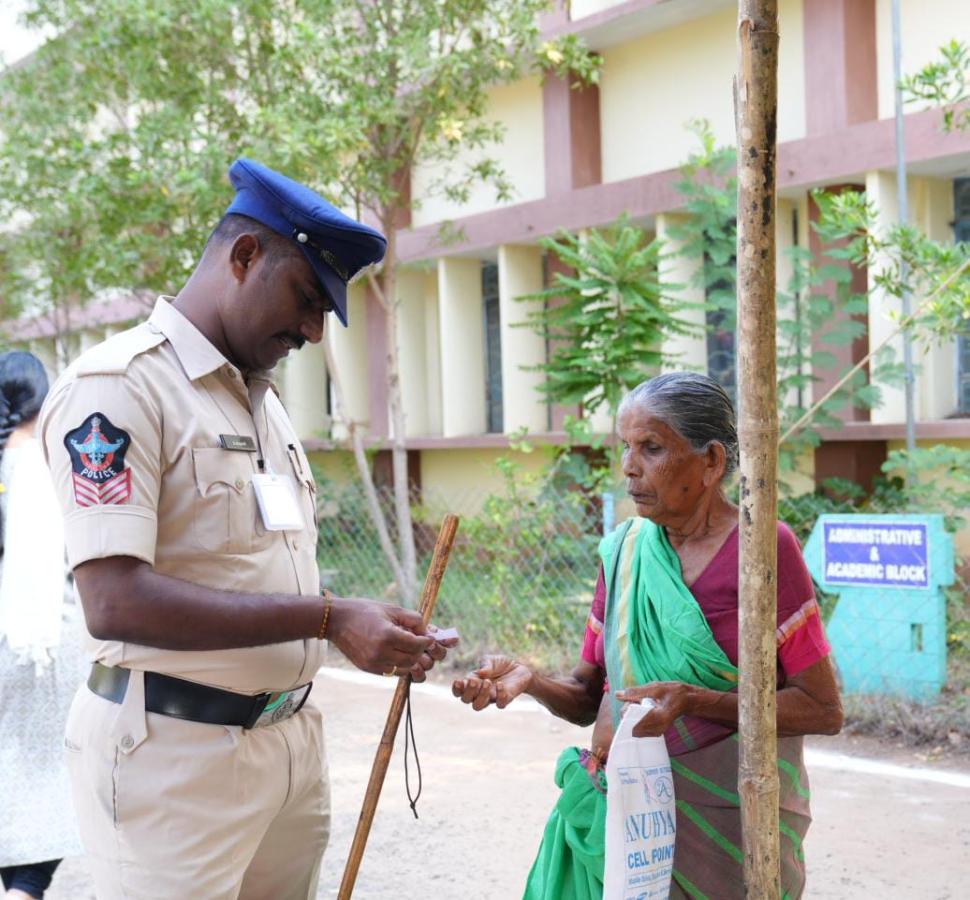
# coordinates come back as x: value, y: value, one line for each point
x: 652, y: 86
x: 800, y: 479
x: 518, y: 107
x: 926, y: 26
x: 465, y: 477
x: 337, y: 466
x: 962, y: 538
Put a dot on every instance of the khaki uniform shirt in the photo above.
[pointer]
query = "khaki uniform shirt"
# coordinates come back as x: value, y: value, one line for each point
x: 160, y: 487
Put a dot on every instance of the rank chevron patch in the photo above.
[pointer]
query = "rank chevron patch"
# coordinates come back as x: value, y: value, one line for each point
x: 97, y: 450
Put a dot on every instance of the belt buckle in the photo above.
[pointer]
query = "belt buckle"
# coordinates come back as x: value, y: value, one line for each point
x: 270, y: 708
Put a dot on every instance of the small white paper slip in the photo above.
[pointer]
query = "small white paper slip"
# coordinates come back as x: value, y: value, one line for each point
x: 277, y: 502
x: 445, y: 634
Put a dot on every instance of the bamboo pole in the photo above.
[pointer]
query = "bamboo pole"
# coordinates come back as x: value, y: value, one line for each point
x: 436, y: 572
x: 756, y: 107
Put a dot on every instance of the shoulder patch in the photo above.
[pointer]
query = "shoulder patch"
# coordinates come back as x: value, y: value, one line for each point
x: 97, y: 450
x: 113, y: 356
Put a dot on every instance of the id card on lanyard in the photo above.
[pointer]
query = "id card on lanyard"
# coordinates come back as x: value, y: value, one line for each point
x: 277, y: 502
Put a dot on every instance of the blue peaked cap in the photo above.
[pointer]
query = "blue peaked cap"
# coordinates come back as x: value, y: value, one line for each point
x: 336, y: 246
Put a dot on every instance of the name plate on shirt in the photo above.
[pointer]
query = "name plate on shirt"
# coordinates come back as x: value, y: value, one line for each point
x: 241, y: 442
x: 277, y: 502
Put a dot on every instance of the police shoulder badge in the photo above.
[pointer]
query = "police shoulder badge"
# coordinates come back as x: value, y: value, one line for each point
x: 97, y: 451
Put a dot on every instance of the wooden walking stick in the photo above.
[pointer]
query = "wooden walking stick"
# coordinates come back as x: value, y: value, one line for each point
x: 436, y: 571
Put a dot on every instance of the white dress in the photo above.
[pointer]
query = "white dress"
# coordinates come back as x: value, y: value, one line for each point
x: 41, y: 666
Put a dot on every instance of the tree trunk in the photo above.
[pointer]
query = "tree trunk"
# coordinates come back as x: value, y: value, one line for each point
x: 399, y: 453
x: 756, y: 105
x: 363, y: 467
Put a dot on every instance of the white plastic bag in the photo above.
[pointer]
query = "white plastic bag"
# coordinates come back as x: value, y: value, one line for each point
x: 641, y: 820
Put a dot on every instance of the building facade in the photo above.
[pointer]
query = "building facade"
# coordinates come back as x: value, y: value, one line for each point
x: 581, y: 158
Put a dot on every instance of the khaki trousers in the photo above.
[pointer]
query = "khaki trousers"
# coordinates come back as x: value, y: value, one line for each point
x: 169, y: 809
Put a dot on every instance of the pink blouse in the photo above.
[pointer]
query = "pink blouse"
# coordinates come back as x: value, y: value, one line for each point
x: 800, y: 634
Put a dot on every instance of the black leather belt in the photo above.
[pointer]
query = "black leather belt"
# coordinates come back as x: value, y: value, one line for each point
x: 183, y: 699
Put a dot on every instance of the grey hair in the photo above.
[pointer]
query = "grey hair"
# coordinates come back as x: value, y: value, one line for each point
x: 695, y: 406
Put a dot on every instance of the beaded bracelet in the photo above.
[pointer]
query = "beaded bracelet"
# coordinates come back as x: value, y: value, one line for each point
x: 327, y: 606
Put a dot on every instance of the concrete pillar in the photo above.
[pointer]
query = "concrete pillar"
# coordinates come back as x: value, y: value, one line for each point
x: 305, y: 390
x: 683, y: 352
x: 432, y: 349
x: 932, y: 211
x: 350, y: 357
x: 520, y: 272
x: 461, y: 326
x: 411, y: 338
x: 571, y: 134
x: 840, y: 64
x: 881, y: 192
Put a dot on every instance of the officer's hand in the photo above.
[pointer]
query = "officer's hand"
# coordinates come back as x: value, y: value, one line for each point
x: 382, y: 639
x: 435, y: 653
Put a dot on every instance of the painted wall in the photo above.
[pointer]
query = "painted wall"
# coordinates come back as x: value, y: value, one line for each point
x: 336, y: 466
x: 931, y: 209
x: 350, y: 357
x: 466, y: 477
x: 800, y: 478
x: 418, y: 351
x: 302, y: 379
x: 926, y: 26
x: 462, y: 346
x: 651, y: 87
x: 962, y: 538
x: 518, y: 107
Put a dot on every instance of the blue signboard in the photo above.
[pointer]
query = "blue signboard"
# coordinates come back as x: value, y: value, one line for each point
x: 888, y: 628
x: 876, y: 553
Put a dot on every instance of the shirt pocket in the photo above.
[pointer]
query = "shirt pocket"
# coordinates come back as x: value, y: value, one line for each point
x: 224, y: 507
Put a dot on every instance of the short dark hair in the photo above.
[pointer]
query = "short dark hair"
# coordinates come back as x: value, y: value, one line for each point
x: 695, y: 406
x: 276, y: 247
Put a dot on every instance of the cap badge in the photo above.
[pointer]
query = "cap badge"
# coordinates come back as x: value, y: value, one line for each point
x: 326, y: 255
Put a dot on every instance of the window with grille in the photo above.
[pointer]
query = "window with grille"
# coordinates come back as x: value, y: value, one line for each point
x: 721, y: 293
x: 493, y: 349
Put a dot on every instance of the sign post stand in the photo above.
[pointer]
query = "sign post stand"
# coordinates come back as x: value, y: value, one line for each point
x: 888, y: 631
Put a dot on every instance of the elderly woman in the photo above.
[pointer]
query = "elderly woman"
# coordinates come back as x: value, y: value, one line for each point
x: 664, y: 625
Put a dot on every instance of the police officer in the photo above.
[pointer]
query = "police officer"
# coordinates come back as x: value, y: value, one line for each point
x: 198, y: 769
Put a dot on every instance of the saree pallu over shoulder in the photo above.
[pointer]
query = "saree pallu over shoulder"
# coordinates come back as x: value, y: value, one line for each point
x: 654, y: 629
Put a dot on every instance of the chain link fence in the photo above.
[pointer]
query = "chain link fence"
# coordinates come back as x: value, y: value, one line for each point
x: 521, y: 577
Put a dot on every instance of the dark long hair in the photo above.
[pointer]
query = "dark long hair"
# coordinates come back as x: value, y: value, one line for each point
x: 23, y: 387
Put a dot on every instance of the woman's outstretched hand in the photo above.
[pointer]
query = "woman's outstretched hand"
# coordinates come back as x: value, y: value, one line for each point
x: 498, y: 680
x: 670, y: 699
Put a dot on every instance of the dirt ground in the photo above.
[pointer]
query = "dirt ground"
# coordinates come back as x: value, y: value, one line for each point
x: 885, y: 825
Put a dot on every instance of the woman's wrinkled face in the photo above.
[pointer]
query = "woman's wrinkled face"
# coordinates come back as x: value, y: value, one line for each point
x: 665, y: 476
